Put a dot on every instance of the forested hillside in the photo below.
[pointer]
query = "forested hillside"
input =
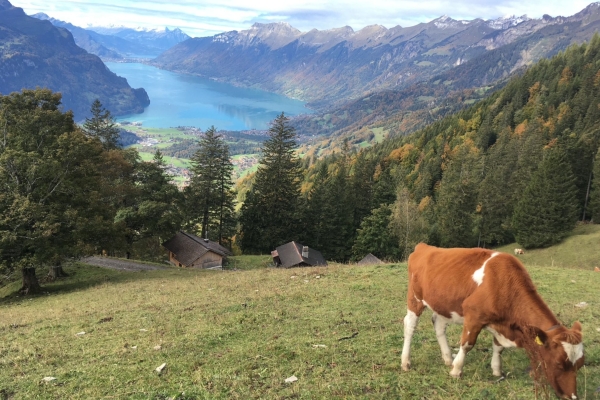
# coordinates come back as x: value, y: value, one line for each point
x: 510, y: 167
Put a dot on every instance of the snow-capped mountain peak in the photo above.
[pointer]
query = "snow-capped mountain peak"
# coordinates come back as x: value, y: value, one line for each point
x: 507, y: 21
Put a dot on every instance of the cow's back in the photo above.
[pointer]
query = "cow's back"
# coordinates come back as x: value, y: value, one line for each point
x: 443, y: 278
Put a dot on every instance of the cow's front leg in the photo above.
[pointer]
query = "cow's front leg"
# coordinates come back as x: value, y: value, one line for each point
x: 467, y: 341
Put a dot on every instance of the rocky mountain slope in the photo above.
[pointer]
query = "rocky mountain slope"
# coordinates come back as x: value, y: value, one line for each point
x: 35, y: 53
x: 325, y: 67
x: 120, y: 43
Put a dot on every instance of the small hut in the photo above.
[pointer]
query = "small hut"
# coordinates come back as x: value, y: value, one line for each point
x: 294, y: 254
x: 187, y: 250
x: 370, y: 259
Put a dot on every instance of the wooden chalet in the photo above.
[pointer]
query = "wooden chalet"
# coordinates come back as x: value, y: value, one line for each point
x: 187, y: 250
x: 294, y: 254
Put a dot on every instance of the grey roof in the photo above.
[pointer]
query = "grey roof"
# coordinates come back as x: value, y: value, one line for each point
x: 290, y: 255
x: 188, y: 248
x: 369, y: 260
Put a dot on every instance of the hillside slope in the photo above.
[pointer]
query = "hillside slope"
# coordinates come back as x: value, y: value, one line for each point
x: 34, y: 53
x: 240, y: 334
x: 579, y: 250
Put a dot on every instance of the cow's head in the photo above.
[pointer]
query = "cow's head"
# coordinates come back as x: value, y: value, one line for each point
x: 561, y: 351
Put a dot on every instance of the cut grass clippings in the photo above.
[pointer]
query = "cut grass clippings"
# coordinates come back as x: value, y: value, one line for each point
x: 241, y: 334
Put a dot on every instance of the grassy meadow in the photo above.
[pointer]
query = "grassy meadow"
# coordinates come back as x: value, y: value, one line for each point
x: 239, y: 334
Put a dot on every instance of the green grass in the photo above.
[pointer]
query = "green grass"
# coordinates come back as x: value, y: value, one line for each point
x: 249, y: 262
x: 240, y: 334
x: 580, y: 250
x: 176, y: 162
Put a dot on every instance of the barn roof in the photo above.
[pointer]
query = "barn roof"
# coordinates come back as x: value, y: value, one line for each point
x: 369, y: 260
x: 290, y: 255
x: 188, y: 248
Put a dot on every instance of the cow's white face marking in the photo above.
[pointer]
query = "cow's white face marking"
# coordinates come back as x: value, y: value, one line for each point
x: 478, y: 275
x: 574, y: 351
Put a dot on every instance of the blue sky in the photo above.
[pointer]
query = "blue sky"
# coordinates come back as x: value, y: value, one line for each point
x: 209, y: 17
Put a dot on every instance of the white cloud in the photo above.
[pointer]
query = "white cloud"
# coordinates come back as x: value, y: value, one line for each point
x: 203, y: 18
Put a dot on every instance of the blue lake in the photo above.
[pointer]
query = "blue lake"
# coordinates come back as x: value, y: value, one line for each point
x: 185, y: 100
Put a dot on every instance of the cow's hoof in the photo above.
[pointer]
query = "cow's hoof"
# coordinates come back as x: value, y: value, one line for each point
x: 448, y: 362
x: 497, y: 373
x: 405, y: 367
x: 455, y: 374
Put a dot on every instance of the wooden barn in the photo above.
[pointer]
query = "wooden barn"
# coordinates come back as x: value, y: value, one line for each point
x: 187, y: 250
x: 294, y: 254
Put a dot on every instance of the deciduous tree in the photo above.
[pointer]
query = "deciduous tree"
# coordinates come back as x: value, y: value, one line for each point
x: 47, y: 174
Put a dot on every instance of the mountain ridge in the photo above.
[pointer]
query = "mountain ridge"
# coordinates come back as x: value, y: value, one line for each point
x: 120, y: 43
x: 329, y: 67
x: 36, y: 53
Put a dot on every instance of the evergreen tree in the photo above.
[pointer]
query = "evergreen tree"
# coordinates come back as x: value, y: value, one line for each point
x: 153, y: 211
x: 102, y: 126
x: 547, y: 211
x: 457, y: 199
x: 376, y: 237
x: 275, y: 193
x: 495, y: 196
x: 316, y: 212
x: 340, y: 229
x: 209, y: 197
x: 594, y: 202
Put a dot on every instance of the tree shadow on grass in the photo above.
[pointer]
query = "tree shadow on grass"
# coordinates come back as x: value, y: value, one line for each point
x: 83, y: 276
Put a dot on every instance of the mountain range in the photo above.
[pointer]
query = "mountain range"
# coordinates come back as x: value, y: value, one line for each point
x: 35, y: 53
x: 420, y: 65
x: 119, y: 43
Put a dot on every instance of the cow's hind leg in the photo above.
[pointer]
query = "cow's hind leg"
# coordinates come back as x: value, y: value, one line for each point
x: 415, y: 308
x: 439, y: 324
x: 496, y: 359
x: 470, y: 332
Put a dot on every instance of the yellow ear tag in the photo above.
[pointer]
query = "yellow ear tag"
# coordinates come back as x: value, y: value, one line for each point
x: 538, y: 341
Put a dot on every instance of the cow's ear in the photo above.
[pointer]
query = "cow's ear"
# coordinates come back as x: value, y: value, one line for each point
x: 540, y: 336
x: 577, y: 326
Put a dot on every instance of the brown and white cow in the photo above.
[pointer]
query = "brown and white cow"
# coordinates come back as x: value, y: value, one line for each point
x: 484, y: 289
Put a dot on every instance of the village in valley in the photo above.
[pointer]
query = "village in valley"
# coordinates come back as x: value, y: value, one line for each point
x: 147, y: 140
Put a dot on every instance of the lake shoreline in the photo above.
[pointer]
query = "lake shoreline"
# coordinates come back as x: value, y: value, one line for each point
x: 180, y: 99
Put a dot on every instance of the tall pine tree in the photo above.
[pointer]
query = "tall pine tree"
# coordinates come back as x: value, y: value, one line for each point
x: 102, y: 126
x: 209, y: 197
x: 594, y: 204
x: 547, y: 211
x: 270, y: 215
